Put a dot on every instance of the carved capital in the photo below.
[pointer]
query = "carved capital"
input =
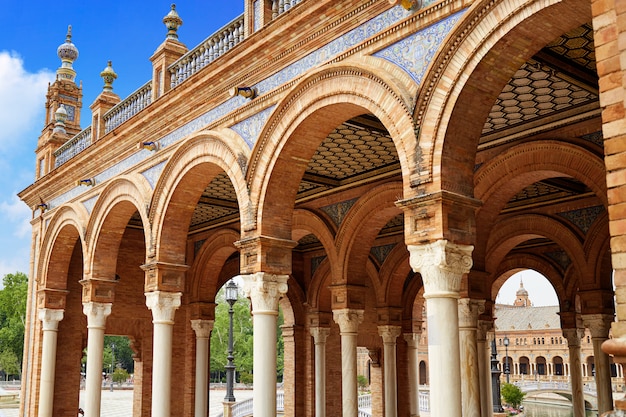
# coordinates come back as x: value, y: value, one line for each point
x: 469, y: 310
x: 97, y: 314
x: 573, y: 336
x: 50, y: 318
x: 598, y: 324
x: 412, y: 339
x: 348, y: 320
x: 163, y: 306
x: 389, y: 334
x: 320, y: 334
x: 442, y: 265
x: 202, y: 328
x: 483, y: 328
x: 264, y: 291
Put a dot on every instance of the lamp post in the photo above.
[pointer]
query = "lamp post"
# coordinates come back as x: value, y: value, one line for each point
x: 231, y: 294
x: 495, y: 379
x: 507, y: 371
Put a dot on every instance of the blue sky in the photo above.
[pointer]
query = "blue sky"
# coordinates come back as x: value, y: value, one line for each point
x: 127, y: 33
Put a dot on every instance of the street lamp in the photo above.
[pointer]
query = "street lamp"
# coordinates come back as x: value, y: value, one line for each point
x: 231, y: 294
x: 507, y: 371
x: 495, y: 379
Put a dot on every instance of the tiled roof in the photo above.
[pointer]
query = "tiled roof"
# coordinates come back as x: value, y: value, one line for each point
x: 510, y: 318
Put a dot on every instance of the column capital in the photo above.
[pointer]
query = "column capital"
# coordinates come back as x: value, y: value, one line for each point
x: 97, y: 314
x: 319, y: 334
x: 163, y: 306
x: 389, y: 333
x: 50, y: 318
x: 348, y: 320
x: 483, y: 327
x: 442, y: 265
x: 598, y: 324
x: 412, y: 339
x: 573, y: 336
x: 468, y: 312
x: 202, y: 328
x: 264, y: 291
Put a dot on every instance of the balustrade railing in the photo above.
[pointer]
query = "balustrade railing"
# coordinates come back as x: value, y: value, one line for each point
x: 72, y: 147
x: 281, y: 6
x: 126, y: 109
x: 208, y: 51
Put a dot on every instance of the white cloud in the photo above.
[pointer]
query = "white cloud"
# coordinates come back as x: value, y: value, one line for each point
x: 23, y: 95
x: 18, y: 215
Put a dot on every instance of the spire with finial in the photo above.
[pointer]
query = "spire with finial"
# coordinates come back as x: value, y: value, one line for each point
x: 172, y: 22
x: 108, y: 75
x: 60, y: 116
x: 68, y: 53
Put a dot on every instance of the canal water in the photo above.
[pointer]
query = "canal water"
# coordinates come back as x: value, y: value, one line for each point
x: 544, y: 410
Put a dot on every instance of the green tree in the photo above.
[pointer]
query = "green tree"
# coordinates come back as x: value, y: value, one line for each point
x: 120, y: 375
x: 362, y: 382
x: 13, y: 316
x: 9, y: 363
x: 512, y: 395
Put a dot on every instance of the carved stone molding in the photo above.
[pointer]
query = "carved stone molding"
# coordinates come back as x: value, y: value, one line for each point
x: 442, y: 265
x: 483, y: 328
x: 163, y: 306
x: 573, y: 336
x: 97, y: 314
x: 320, y: 334
x: 412, y: 339
x: 389, y: 333
x: 598, y: 324
x: 50, y: 318
x: 264, y: 291
x: 202, y: 328
x: 469, y: 310
x: 348, y: 320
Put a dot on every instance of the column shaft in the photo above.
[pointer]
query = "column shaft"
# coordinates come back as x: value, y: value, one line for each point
x: 97, y: 314
x: 264, y: 291
x: 202, y: 328
x: 599, y: 325
x: 319, y: 338
x: 389, y: 335
x: 348, y: 321
x: 50, y: 319
x: 412, y: 340
x: 163, y: 306
x: 470, y: 383
x: 576, y: 379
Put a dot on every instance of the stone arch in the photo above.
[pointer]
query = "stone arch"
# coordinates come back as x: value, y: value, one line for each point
x: 393, y: 275
x: 597, y: 245
x: 510, y: 232
x: 204, y: 273
x: 514, y: 263
x: 359, y: 229
x: 196, y: 161
x: 65, y: 229
x: 319, y: 102
x: 318, y: 292
x: 469, y: 65
x: 117, y: 203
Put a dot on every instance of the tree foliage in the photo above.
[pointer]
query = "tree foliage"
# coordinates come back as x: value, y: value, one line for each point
x: 12, y: 318
x: 512, y: 395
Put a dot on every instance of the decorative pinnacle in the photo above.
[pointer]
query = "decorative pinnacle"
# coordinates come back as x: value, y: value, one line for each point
x: 60, y: 116
x: 68, y: 53
x: 108, y: 75
x: 172, y: 22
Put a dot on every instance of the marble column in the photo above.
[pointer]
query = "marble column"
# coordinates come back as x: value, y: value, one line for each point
x: 484, y: 367
x: 50, y: 319
x: 573, y: 337
x: 319, y: 338
x: 389, y: 335
x: 470, y: 377
x: 97, y: 314
x: 348, y: 321
x: 442, y: 265
x: 202, y: 328
x: 163, y: 306
x: 599, y: 325
x: 412, y: 340
x: 264, y: 291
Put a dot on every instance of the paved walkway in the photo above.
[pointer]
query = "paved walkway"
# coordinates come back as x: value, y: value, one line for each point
x: 120, y: 403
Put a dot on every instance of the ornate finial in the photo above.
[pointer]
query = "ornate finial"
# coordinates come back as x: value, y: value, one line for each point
x: 108, y: 75
x: 60, y: 116
x: 172, y: 22
x: 68, y: 53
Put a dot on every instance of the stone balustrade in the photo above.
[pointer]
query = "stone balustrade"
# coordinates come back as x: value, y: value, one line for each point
x: 72, y: 147
x: 126, y: 109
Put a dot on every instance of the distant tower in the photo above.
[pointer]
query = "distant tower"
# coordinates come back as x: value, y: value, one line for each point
x: 521, y: 296
x: 62, y: 93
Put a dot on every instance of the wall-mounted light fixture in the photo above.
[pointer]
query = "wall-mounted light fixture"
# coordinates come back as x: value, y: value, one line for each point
x: 42, y: 206
x: 151, y: 146
x: 407, y: 4
x: 90, y: 182
x: 246, y: 92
